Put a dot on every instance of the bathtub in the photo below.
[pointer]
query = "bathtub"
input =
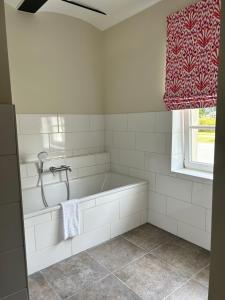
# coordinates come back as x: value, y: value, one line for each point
x: 110, y: 205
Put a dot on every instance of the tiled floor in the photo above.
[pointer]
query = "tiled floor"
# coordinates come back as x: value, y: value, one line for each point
x: 145, y: 263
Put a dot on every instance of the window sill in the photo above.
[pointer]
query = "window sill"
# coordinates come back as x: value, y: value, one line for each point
x: 195, y: 174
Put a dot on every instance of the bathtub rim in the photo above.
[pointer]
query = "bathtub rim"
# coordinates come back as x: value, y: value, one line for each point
x: 140, y: 182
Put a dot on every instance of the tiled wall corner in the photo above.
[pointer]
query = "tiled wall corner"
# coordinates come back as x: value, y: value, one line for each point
x: 141, y: 145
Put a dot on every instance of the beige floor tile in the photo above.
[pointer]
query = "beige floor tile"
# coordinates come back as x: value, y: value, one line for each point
x: 109, y: 288
x: 185, y: 257
x: 190, y: 291
x: 116, y: 253
x: 70, y: 276
x: 39, y: 288
x: 203, y: 277
x: 148, y: 237
x: 150, y: 278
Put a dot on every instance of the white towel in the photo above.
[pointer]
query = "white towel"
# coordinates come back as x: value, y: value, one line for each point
x: 70, y: 219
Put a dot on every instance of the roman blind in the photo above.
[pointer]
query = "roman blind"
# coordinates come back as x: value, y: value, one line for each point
x: 192, y: 59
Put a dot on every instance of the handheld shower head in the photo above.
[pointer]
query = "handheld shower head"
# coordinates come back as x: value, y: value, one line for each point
x: 42, y: 156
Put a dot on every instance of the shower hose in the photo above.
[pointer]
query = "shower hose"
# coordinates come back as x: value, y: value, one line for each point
x: 43, y: 192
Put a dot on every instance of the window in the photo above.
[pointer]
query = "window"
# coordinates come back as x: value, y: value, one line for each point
x: 199, y: 138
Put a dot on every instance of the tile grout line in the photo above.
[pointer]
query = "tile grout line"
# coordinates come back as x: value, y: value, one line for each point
x: 85, y: 288
x: 160, y: 260
x: 127, y: 286
x: 131, y: 262
x: 147, y: 251
x: 81, y: 289
x: 112, y: 273
x: 50, y: 285
x: 175, y: 268
x: 141, y: 248
x: 155, y: 247
x: 199, y: 273
x: 121, y: 236
x: 107, y: 275
x: 190, y: 279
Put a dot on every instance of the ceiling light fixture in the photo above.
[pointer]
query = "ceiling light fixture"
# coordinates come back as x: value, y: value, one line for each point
x: 31, y: 6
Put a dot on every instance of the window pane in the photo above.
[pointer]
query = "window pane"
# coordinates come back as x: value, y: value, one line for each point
x: 203, y: 116
x: 203, y: 142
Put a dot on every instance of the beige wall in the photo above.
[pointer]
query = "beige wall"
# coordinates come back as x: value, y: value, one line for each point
x: 5, y: 90
x: 135, y: 60
x: 55, y: 63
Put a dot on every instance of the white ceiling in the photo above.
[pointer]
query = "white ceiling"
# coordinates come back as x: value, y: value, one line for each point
x: 117, y: 10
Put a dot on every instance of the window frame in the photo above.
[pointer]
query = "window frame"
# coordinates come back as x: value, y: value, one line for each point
x: 188, y: 127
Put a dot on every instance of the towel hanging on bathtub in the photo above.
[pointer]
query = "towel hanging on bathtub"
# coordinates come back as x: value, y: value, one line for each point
x: 70, y: 219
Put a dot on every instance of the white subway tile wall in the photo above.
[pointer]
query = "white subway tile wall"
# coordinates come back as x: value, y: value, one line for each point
x: 102, y: 218
x: 140, y: 146
x: 65, y: 135
x: 81, y: 166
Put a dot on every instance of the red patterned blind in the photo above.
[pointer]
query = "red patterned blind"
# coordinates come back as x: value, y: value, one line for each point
x: 193, y: 38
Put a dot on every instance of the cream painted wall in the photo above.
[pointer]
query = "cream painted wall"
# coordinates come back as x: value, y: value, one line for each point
x: 5, y: 89
x: 135, y: 60
x: 55, y: 63
x: 60, y: 64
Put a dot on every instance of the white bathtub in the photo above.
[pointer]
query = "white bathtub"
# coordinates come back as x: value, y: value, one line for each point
x: 110, y: 205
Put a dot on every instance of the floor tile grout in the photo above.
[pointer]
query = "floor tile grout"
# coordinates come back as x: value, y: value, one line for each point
x: 111, y: 273
x: 127, y: 286
x: 154, y: 249
x: 207, y: 286
x: 133, y: 261
x: 51, y: 287
x: 134, y: 244
x: 159, y: 245
x: 83, y: 289
x: 175, y: 268
x: 190, y: 279
x: 115, y: 271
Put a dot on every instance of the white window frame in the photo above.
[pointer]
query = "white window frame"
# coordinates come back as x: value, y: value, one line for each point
x: 188, y: 127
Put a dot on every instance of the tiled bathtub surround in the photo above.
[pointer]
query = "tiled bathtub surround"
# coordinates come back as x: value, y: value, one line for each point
x: 67, y: 135
x: 103, y: 217
x: 140, y: 145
